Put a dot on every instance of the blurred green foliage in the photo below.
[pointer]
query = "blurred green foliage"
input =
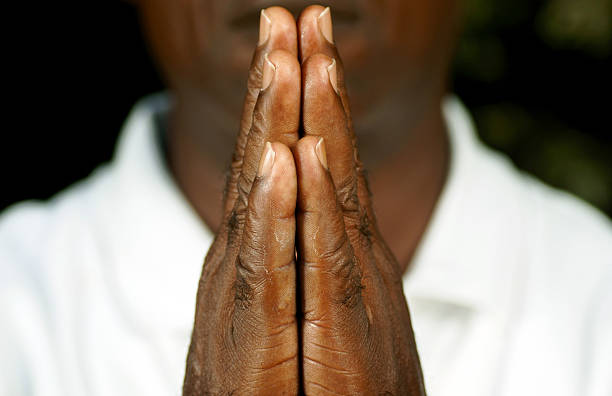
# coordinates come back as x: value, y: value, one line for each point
x: 582, y: 24
x: 537, y: 77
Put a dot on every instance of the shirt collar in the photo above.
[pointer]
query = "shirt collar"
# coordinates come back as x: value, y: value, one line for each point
x: 157, y: 241
x: 463, y: 258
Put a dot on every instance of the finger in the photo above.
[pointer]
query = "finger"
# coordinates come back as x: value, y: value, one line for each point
x: 316, y: 36
x: 324, y: 116
x: 277, y: 31
x: 265, y: 269
x: 331, y: 278
x: 334, y: 316
x: 276, y: 117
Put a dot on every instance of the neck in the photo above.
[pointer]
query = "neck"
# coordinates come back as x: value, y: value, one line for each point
x: 202, y: 137
x: 407, y: 183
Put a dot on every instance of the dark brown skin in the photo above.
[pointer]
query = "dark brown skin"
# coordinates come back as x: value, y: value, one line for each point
x: 245, y: 336
x: 356, y: 332
x: 397, y: 54
x: 336, y: 322
x: 352, y: 334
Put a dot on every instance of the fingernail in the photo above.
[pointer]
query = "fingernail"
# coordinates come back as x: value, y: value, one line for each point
x: 325, y: 25
x: 333, y: 75
x: 265, y: 25
x: 321, y: 153
x: 269, y: 70
x: 267, y: 160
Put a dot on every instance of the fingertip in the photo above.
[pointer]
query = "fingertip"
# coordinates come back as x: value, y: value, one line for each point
x: 306, y: 153
x: 274, y: 191
x: 313, y: 10
x: 319, y: 71
x: 307, y: 21
x: 287, y: 72
x: 283, y: 29
x: 312, y: 173
x: 315, y: 33
x: 284, y: 58
x: 284, y: 165
x: 280, y: 14
x: 282, y: 181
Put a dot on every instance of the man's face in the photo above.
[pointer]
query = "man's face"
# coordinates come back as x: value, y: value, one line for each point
x: 390, y: 48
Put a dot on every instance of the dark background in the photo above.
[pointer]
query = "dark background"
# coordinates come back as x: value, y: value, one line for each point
x: 536, y: 75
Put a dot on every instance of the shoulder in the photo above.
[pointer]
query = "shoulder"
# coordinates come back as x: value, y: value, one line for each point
x: 35, y: 235
x: 570, y: 242
x: 44, y: 250
x: 563, y: 309
x: 550, y: 231
x: 552, y: 256
x: 561, y: 244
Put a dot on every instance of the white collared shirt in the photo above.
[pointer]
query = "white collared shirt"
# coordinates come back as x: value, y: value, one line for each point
x: 510, y: 291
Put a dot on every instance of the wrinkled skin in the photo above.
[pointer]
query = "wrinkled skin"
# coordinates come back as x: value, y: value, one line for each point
x: 245, y: 333
x: 337, y: 321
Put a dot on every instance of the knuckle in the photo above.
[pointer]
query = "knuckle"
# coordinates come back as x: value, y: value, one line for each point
x: 252, y: 251
x: 347, y: 193
x: 244, y: 186
x: 365, y: 180
x: 345, y: 270
x: 337, y: 253
x: 243, y: 293
x: 245, y: 285
x: 365, y: 229
x: 254, y: 80
x: 234, y: 226
x: 232, y: 222
x: 351, y: 293
x: 259, y: 117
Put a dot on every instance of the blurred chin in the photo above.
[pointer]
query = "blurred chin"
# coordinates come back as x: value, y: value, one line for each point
x: 378, y: 61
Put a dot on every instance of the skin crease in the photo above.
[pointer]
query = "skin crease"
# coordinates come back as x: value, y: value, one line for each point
x: 245, y: 334
x: 351, y: 333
